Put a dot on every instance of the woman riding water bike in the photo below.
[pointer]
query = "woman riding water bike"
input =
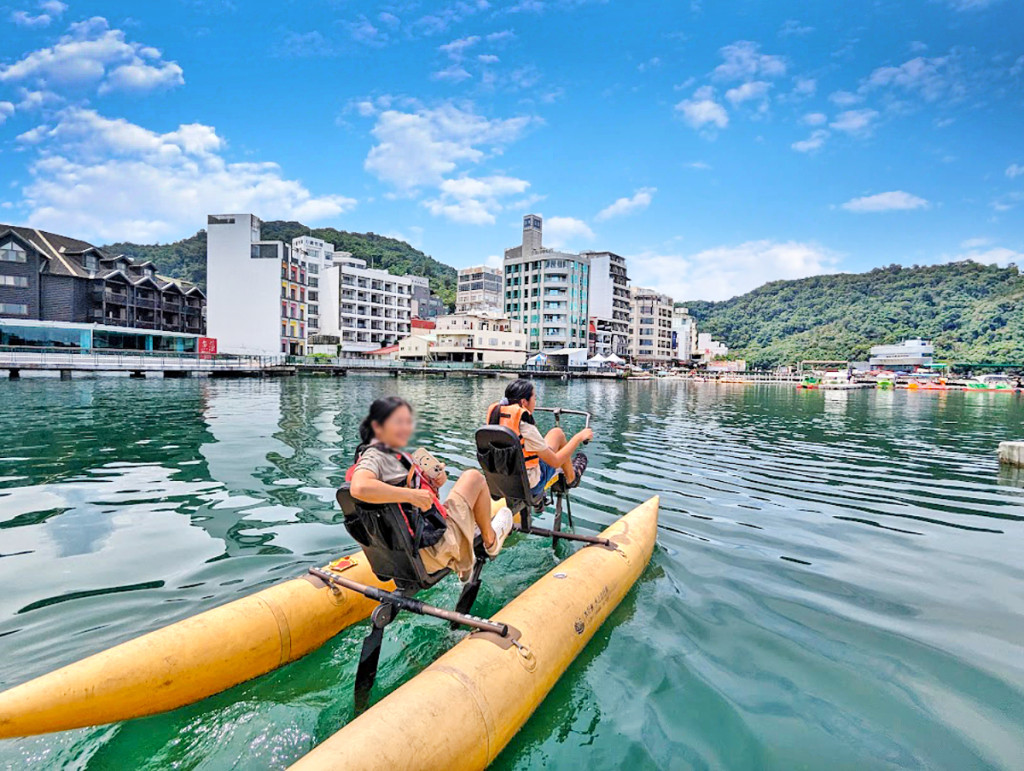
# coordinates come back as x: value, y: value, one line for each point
x: 546, y: 455
x: 385, y: 473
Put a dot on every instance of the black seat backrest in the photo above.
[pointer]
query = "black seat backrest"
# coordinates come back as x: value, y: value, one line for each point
x: 383, y: 531
x: 501, y: 459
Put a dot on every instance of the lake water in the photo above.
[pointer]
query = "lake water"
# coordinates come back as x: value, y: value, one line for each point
x: 838, y: 581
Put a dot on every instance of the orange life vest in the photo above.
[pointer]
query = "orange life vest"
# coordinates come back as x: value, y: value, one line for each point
x: 511, y: 416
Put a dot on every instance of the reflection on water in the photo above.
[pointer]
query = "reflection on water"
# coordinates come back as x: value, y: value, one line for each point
x: 838, y: 573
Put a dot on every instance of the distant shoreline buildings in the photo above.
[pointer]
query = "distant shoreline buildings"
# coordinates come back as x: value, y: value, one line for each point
x: 269, y: 297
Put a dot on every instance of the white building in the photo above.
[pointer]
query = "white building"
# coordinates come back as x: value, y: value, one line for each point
x: 650, y: 327
x: 708, y: 350
x: 684, y: 335
x: 365, y: 307
x: 256, y: 289
x: 317, y: 256
x: 480, y: 290
x: 547, y: 291
x: 471, y: 338
x: 609, y: 304
x: 906, y: 355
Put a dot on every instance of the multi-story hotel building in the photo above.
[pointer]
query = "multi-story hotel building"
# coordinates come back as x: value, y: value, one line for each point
x: 480, y: 290
x: 609, y: 304
x: 366, y: 308
x: 257, y: 289
x: 316, y: 256
x: 684, y: 335
x: 53, y: 278
x: 651, y: 326
x: 424, y: 304
x: 546, y: 291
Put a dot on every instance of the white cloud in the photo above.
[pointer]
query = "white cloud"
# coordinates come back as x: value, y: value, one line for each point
x: 804, y: 87
x: 998, y: 255
x: 752, y: 89
x: 501, y: 36
x: 456, y: 49
x: 932, y: 79
x: 362, y: 30
x: 422, y: 146
x: 92, y: 54
x: 650, y: 64
x: 641, y: 199
x: 856, y: 122
x: 895, y: 200
x: 743, y: 60
x: 699, y: 165
x: 845, y: 98
x: 814, y: 119
x: 51, y: 10
x: 975, y: 243
x: 702, y: 110
x: 970, y: 5
x: 488, y: 59
x: 494, y: 261
x: 6, y: 111
x: 474, y: 200
x: 109, y: 179
x: 560, y: 232
x: 793, y: 27
x: 726, y: 271
x: 456, y: 73
x: 1014, y: 170
x: 813, y: 143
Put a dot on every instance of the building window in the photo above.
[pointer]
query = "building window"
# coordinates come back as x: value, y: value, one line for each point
x: 14, y: 309
x: 18, y: 281
x: 91, y: 262
x: 12, y: 252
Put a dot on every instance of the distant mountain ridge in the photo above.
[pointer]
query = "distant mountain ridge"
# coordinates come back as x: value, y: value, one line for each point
x: 972, y: 312
x: 187, y: 258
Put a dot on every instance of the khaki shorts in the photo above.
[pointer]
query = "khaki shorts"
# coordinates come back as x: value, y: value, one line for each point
x: 455, y: 549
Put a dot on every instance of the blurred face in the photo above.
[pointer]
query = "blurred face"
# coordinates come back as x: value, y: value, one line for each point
x: 397, y: 429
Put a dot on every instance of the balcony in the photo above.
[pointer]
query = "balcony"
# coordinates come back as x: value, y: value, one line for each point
x: 145, y: 302
x: 115, y: 297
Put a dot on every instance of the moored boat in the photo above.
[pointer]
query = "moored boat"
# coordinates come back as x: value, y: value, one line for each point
x: 990, y: 383
x: 462, y: 710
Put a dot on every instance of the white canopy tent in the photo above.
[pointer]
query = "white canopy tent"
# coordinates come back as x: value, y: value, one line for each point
x: 614, y: 359
x: 597, y: 361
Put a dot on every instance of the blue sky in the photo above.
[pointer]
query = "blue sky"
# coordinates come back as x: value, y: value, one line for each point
x: 717, y: 145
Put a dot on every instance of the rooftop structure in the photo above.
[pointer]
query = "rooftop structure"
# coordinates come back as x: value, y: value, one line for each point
x: 908, y: 354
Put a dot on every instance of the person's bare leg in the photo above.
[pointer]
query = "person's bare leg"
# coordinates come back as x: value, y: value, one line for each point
x: 472, y: 486
x: 555, y: 439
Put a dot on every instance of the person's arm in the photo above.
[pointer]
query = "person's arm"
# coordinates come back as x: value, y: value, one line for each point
x: 558, y: 458
x: 367, y: 488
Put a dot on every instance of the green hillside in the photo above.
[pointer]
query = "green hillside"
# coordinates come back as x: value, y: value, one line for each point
x: 973, y: 313
x: 187, y: 258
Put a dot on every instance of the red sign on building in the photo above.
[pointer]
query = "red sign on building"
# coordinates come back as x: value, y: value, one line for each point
x: 207, y: 347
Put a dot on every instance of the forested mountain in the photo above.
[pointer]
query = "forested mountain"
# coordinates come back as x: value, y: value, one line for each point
x: 187, y: 258
x: 972, y: 312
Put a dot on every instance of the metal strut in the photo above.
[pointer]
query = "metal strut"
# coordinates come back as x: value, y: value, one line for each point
x: 558, y: 535
x: 390, y: 604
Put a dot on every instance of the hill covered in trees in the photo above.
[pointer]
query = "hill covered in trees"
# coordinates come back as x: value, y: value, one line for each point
x: 187, y: 258
x: 972, y: 313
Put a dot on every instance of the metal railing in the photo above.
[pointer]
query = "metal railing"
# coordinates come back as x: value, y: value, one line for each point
x: 99, y: 359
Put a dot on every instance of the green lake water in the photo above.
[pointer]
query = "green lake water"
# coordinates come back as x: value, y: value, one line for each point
x: 838, y: 581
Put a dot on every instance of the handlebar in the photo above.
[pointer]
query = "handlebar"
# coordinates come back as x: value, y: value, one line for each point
x: 558, y: 412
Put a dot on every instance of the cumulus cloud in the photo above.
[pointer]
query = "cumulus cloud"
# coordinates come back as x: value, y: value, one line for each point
x: 726, y: 271
x: 752, y: 89
x: 91, y: 54
x: 845, y: 98
x: 814, y: 119
x: 474, y: 200
x: 702, y: 111
x: 49, y: 11
x: 998, y: 255
x: 813, y: 143
x: 6, y: 111
x: 857, y: 122
x: 419, y: 146
x: 641, y: 199
x: 109, y: 179
x: 894, y: 200
x: 1014, y: 170
x: 743, y: 60
x: 930, y: 78
x: 560, y: 232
